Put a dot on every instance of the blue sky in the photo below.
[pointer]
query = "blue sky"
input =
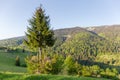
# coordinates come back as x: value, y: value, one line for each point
x: 14, y: 14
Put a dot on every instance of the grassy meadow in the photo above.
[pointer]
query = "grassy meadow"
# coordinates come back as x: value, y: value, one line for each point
x: 7, y: 61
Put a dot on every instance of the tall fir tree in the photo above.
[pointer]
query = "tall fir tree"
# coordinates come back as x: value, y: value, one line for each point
x: 39, y: 34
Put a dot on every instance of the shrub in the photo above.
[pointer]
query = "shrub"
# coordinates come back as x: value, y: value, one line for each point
x: 17, y: 61
x: 109, y: 74
x: 54, y: 66
x: 95, y: 70
x: 32, y: 64
x: 78, y: 68
x: 69, y: 66
x: 115, y: 71
x: 86, y: 71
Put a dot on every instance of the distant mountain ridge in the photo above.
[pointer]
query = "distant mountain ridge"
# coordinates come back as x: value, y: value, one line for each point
x: 15, y: 41
x: 109, y: 32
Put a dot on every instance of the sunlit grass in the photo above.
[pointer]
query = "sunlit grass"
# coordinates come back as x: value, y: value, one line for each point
x: 7, y: 62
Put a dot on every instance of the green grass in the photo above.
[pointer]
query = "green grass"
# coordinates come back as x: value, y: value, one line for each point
x: 43, y: 77
x: 7, y: 61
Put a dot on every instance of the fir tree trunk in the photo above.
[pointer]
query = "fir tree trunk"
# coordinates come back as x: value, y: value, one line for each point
x: 40, y: 53
x: 39, y: 58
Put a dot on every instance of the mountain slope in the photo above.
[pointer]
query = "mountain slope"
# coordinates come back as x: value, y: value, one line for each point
x: 109, y: 32
x: 84, y: 45
x: 63, y: 34
x: 12, y: 42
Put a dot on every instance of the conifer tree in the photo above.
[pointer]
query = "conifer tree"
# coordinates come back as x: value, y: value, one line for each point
x: 39, y: 34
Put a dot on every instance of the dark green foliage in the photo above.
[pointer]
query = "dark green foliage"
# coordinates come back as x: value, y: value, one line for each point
x: 17, y: 61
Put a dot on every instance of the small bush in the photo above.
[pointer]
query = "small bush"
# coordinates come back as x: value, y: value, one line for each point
x: 32, y: 64
x: 95, y: 70
x: 17, y: 61
x: 71, y: 67
x: 54, y: 66
x: 86, y: 71
x: 109, y: 74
